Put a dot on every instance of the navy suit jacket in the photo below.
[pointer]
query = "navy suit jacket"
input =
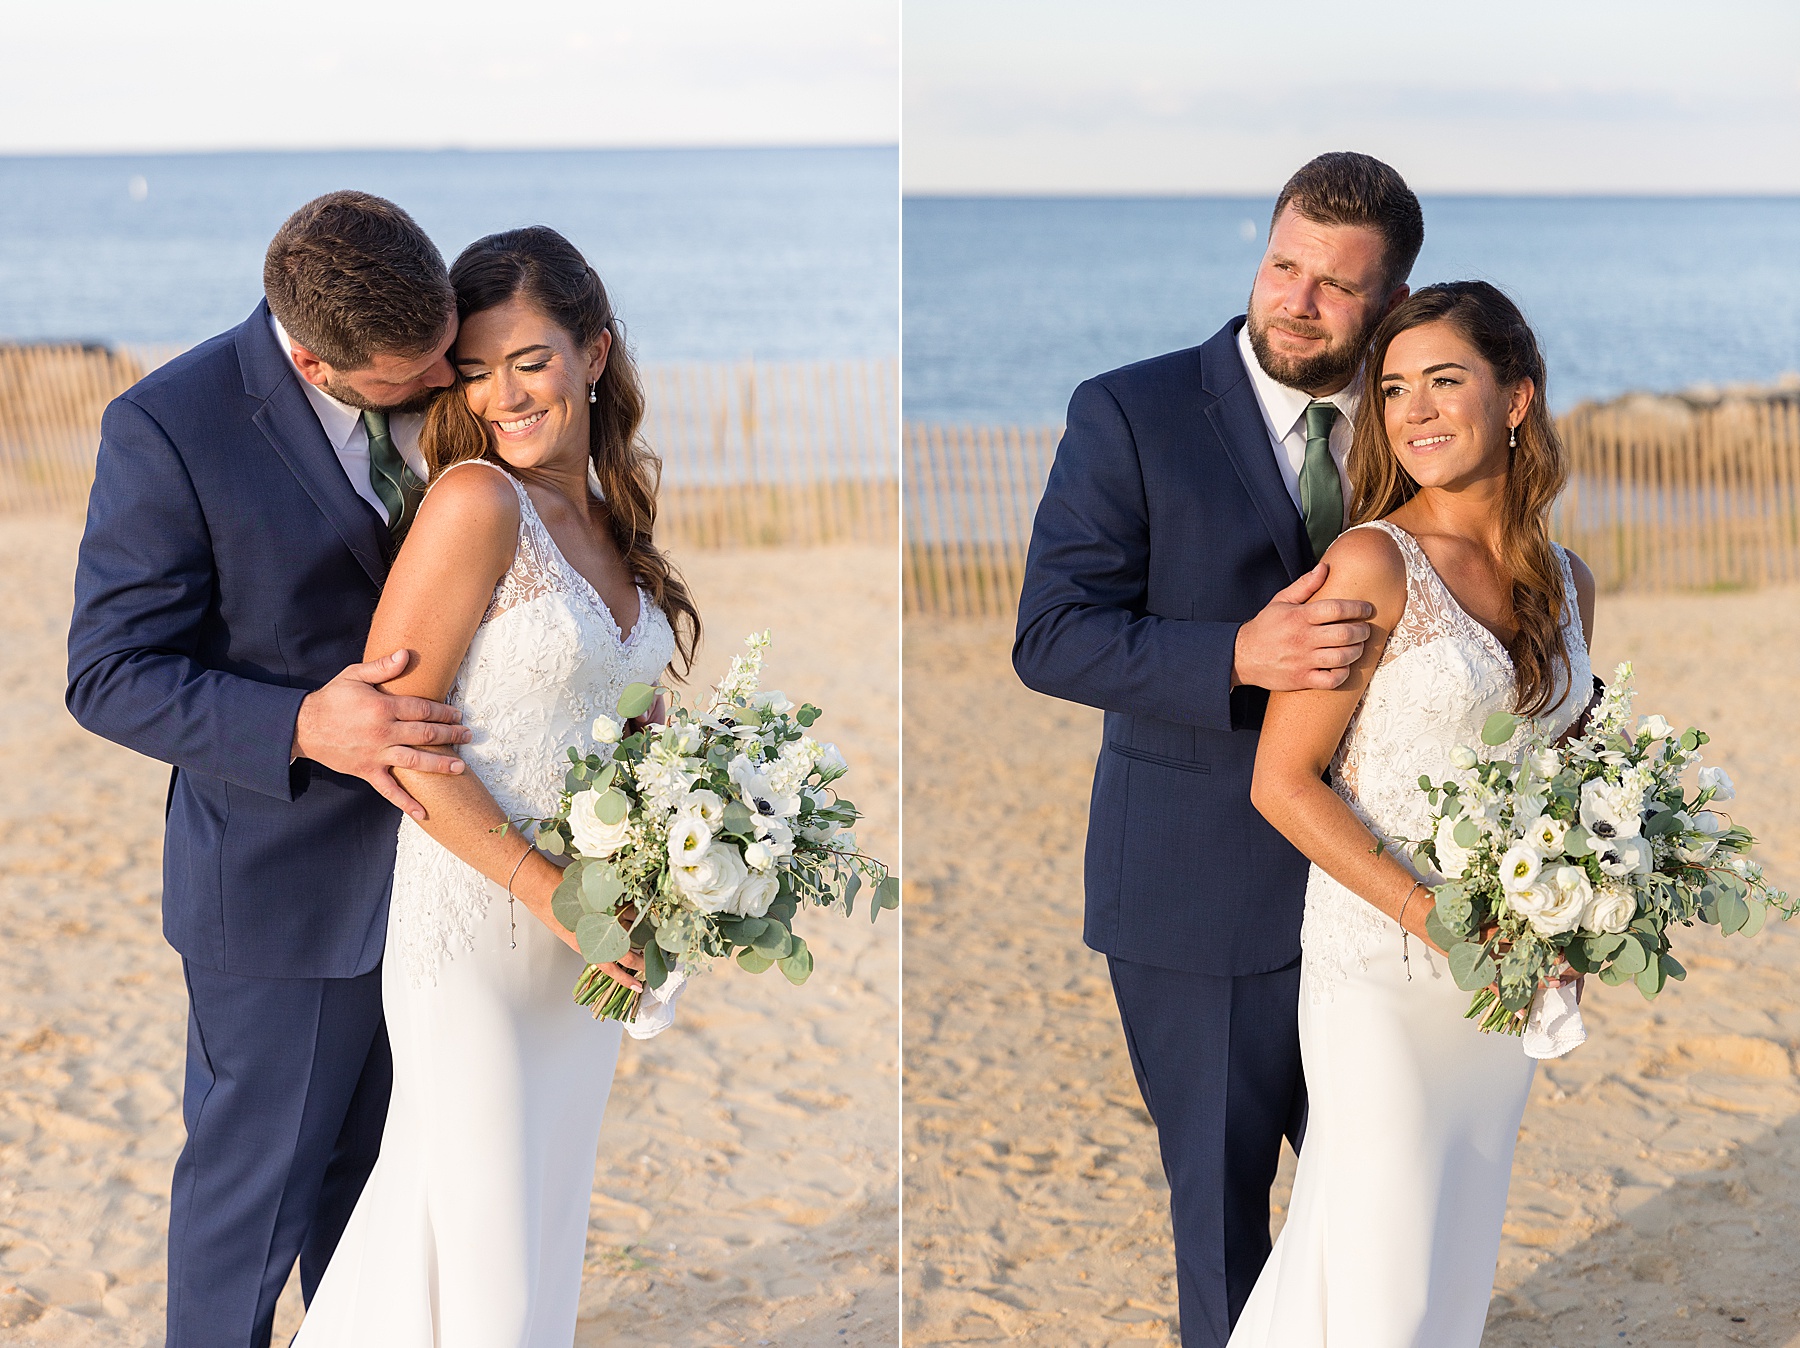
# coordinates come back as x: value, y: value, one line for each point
x: 228, y: 568
x: 1164, y: 527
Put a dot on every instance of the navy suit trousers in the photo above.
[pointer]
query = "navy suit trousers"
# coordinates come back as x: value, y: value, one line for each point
x: 1217, y: 1060
x: 283, y: 1128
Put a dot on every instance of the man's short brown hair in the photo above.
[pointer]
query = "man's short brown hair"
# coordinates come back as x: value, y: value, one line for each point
x: 1346, y: 188
x: 351, y: 275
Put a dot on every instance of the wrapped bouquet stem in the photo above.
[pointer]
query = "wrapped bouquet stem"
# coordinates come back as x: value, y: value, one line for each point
x: 1582, y: 857
x: 703, y: 837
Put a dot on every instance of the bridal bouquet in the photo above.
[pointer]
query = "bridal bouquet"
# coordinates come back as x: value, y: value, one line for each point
x: 704, y: 835
x: 1586, y: 853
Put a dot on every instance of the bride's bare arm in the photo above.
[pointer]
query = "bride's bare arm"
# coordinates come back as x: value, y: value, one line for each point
x: 460, y: 546
x: 1301, y: 732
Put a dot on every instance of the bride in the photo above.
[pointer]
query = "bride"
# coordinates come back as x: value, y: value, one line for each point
x: 532, y: 593
x: 1394, y: 1226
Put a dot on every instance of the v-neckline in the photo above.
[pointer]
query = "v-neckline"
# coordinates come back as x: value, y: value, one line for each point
x: 1493, y: 637
x: 622, y: 636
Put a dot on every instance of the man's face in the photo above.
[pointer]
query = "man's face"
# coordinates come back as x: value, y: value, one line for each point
x: 388, y: 383
x: 1319, y: 293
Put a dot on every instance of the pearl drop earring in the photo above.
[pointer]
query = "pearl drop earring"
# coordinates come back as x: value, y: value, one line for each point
x: 593, y: 397
x: 1512, y: 435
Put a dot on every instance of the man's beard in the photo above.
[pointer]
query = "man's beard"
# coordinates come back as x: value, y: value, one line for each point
x: 351, y: 398
x: 1324, y: 371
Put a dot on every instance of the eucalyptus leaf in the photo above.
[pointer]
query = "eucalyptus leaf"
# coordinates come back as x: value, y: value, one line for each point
x: 1466, y: 834
x: 611, y: 807
x: 601, y: 889
x: 656, y: 968
x: 754, y: 961
x: 852, y: 887
x: 1599, y: 949
x: 739, y: 822
x: 592, y: 933
x: 1499, y: 728
x: 1690, y: 739
x: 604, y: 778
x: 1632, y: 958
x: 774, y: 941
x: 670, y: 939
x: 1471, y: 966
x: 797, y: 965
x: 1650, y: 980
x: 1613, y: 975
x: 575, y: 779
x: 1759, y: 912
x: 637, y: 699
x: 565, y: 904
x: 1441, y: 936
x: 1577, y: 842
x: 552, y: 842
x: 1733, y: 913
x: 1672, y: 968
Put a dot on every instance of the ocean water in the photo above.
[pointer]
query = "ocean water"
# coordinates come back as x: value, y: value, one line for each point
x: 1009, y: 303
x: 777, y: 254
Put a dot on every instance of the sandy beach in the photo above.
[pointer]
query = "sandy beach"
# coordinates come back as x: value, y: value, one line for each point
x: 745, y: 1191
x: 1656, y: 1191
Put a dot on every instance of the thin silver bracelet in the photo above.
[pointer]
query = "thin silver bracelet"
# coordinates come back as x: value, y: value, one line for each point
x: 512, y: 921
x: 1405, y: 951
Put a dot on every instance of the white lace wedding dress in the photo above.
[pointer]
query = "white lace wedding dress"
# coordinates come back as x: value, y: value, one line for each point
x: 1393, y: 1229
x: 472, y: 1228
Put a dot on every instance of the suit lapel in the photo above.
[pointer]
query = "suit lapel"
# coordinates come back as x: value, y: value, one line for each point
x: 1238, y: 421
x: 293, y: 429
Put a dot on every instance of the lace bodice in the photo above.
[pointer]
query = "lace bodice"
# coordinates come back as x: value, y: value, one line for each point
x: 547, y: 657
x: 1440, y: 678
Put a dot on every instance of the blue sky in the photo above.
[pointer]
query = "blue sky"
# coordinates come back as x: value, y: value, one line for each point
x: 112, y: 75
x: 1531, y: 96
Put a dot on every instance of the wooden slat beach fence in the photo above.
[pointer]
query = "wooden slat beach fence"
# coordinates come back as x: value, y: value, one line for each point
x: 1663, y: 495
x: 754, y: 453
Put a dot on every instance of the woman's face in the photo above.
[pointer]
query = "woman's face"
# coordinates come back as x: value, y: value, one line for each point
x: 1447, y: 414
x: 526, y: 378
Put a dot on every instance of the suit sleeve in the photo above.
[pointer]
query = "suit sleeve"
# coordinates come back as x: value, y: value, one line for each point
x: 1083, y: 634
x: 144, y: 584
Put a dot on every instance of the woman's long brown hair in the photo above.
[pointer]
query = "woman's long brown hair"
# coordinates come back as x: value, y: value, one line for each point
x: 1535, y: 473
x: 544, y: 269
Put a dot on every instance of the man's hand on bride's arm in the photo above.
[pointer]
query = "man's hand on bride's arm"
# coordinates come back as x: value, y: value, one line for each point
x: 352, y: 726
x: 1298, y: 641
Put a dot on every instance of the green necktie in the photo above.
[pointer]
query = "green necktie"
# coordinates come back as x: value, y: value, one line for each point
x: 1321, y: 491
x: 400, y: 491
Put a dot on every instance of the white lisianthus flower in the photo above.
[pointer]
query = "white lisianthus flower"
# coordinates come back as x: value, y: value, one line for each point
x: 754, y: 896
x: 689, y: 837
x: 772, y: 702
x: 1547, y: 762
x: 1659, y: 728
x: 1569, y: 892
x: 606, y: 730
x: 684, y: 738
x: 759, y: 792
x: 593, y: 837
x: 707, y: 805
x: 1610, y: 910
x: 1462, y: 757
x: 1519, y: 867
x: 759, y: 856
x: 1609, y: 811
x: 1453, y: 859
x: 832, y: 763
x: 1620, y: 857
x: 1718, y: 781
x: 1546, y: 833
x: 712, y: 881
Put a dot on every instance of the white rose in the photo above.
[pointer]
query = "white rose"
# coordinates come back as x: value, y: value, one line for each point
x: 772, y: 702
x: 759, y: 856
x: 1610, y: 911
x: 1609, y: 811
x: 1529, y: 804
x: 1453, y: 859
x: 607, y: 730
x: 1462, y: 757
x: 1547, y: 762
x: 689, y: 837
x: 1568, y: 894
x: 683, y: 738
x: 1546, y: 833
x: 1519, y: 867
x: 594, y: 837
x: 755, y: 895
x: 1659, y: 729
x: 712, y: 881
x: 1531, y: 902
x: 1620, y: 857
x: 1719, y: 782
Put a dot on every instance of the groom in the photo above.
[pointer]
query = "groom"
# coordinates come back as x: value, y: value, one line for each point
x: 243, y: 512
x: 1170, y: 582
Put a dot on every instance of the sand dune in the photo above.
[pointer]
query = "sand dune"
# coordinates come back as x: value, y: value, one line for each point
x: 1656, y: 1193
x: 745, y: 1192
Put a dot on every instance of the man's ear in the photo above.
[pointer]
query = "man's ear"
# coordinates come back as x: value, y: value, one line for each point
x: 1397, y: 298
x: 313, y: 370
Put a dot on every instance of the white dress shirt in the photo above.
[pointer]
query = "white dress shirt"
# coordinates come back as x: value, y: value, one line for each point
x: 343, y: 427
x: 1284, y: 413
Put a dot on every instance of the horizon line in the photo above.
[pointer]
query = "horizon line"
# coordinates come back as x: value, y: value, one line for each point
x: 1159, y: 194
x: 639, y: 148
